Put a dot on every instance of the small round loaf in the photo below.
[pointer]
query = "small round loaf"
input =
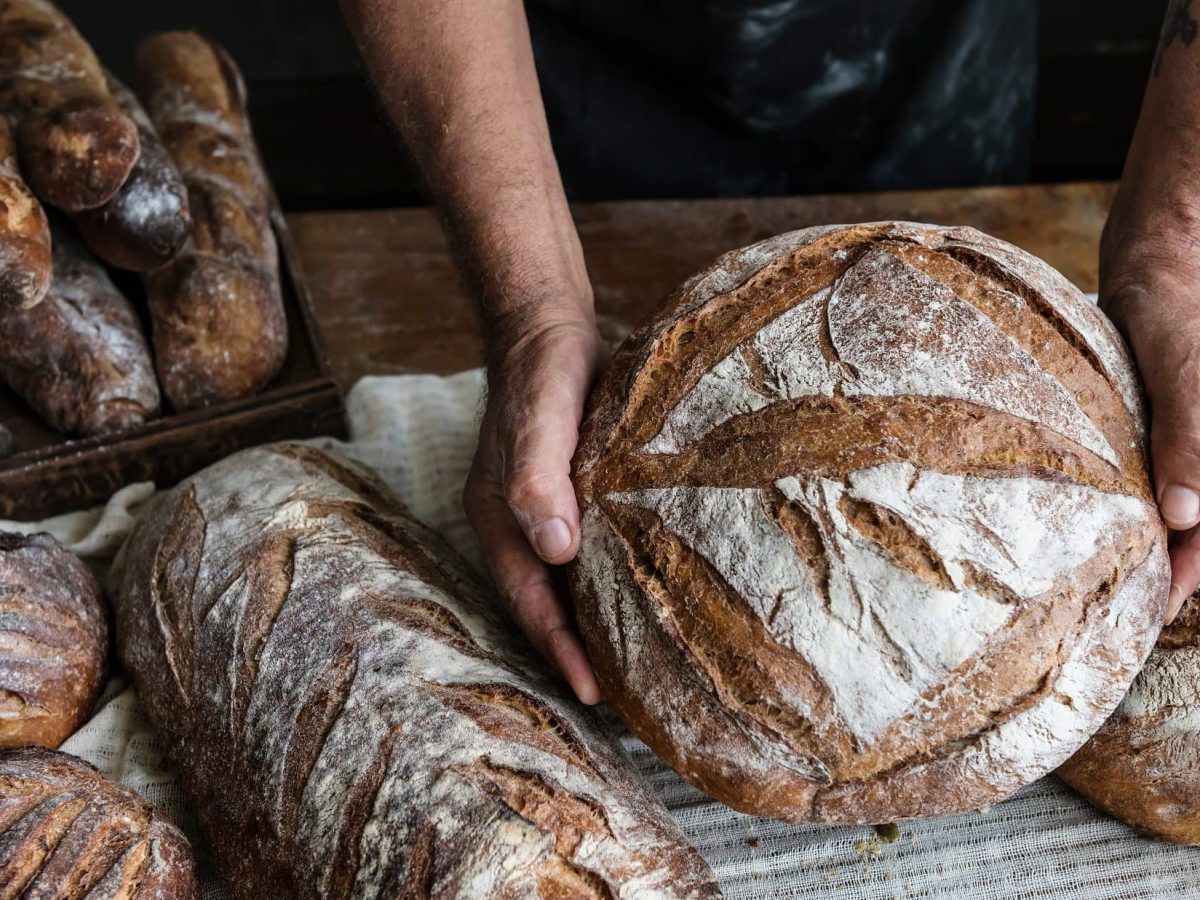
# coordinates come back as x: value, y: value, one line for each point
x: 1143, y: 766
x: 67, y: 831
x: 53, y: 641
x: 867, y: 527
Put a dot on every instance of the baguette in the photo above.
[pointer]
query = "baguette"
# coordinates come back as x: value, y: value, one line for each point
x: 77, y: 147
x: 349, y: 714
x: 66, y: 831
x: 147, y: 222
x: 53, y: 641
x: 78, y: 358
x: 24, y: 233
x: 219, y: 329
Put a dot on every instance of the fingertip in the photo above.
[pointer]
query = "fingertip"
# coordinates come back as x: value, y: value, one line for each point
x: 1174, y: 603
x: 570, y: 658
x: 1180, y: 506
x: 554, y: 540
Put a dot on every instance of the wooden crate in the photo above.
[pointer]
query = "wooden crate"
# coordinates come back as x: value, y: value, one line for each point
x: 51, y: 474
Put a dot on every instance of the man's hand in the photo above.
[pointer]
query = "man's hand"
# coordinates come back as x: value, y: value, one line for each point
x: 1150, y: 283
x: 458, y: 79
x: 519, y: 497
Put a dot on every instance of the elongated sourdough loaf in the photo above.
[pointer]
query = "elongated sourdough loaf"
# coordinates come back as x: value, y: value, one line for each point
x: 219, y: 329
x: 24, y: 232
x: 66, y: 831
x: 77, y: 146
x: 146, y: 222
x: 867, y: 527
x: 1143, y: 766
x: 53, y: 641
x: 78, y: 358
x: 351, y: 717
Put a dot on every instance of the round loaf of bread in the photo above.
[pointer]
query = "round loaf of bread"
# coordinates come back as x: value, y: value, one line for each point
x: 53, y: 641
x: 66, y: 831
x: 867, y: 527
x: 1143, y: 766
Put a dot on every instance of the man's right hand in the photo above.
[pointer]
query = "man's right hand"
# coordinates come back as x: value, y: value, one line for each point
x: 519, y: 497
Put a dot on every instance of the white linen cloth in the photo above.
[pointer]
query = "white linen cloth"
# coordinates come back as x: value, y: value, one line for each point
x: 419, y: 432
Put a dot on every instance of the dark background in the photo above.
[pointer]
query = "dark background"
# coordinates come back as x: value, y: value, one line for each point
x: 327, y: 146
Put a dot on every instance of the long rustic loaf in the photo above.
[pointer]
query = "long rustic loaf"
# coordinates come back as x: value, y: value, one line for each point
x: 350, y: 715
x: 1143, y: 766
x: 78, y: 358
x: 77, y: 147
x: 24, y: 233
x: 53, y: 641
x: 66, y: 831
x: 146, y: 223
x: 867, y: 527
x: 219, y: 327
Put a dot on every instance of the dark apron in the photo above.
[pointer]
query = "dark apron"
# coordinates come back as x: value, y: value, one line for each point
x: 681, y: 98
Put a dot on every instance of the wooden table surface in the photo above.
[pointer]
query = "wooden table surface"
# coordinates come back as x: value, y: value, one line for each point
x: 389, y: 300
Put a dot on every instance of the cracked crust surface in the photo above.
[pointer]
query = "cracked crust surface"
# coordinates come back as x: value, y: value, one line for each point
x: 67, y: 831
x: 867, y: 527
x: 350, y: 714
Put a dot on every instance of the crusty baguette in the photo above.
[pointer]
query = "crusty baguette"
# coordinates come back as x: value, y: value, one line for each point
x: 349, y: 714
x: 219, y: 330
x: 24, y: 233
x: 78, y: 358
x: 77, y: 147
x: 147, y: 222
x: 66, y: 831
x: 53, y: 641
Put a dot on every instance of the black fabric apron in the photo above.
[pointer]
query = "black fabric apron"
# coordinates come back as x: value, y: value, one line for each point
x: 684, y: 98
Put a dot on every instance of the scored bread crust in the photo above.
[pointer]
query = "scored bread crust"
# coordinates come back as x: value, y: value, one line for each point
x: 867, y: 527
x: 351, y: 715
x: 1143, y: 766
x: 24, y: 232
x: 53, y: 641
x: 217, y: 316
x: 67, y: 831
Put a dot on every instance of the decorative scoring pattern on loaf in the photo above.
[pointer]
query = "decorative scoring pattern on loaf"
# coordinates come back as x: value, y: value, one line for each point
x: 350, y: 714
x: 67, y: 831
x: 53, y: 641
x: 867, y: 526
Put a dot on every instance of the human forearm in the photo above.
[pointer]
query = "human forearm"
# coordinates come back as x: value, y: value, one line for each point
x: 457, y: 78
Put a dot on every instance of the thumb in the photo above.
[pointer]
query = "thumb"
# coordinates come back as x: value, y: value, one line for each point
x: 537, y: 483
x: 1175, y: 449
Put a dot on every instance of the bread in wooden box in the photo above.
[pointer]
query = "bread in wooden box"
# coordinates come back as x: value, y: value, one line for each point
x: 53, y: 641
x: 77, y: 146
x: 66, y: 831
x: 352, y: 716
x: 219, y: 329
x: 79, y: 358
x: 146, y: 222
x: 867, y: 527
x: 1143, y: 766
x: 24, y: 232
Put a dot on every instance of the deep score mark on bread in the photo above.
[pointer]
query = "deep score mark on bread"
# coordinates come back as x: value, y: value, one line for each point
x: 867, y: 526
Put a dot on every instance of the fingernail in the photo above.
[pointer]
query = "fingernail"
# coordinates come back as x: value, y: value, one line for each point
x: 1174, y: 601
x: 1180, y: 505
x: 552, y: 538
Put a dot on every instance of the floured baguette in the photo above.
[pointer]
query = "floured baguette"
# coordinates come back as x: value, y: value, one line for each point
x: 352, y: 716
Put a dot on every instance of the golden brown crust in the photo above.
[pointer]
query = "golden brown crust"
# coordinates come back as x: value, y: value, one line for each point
x: 146, y: 223
x: 67, y: 831
x: 802, y: 580
x: 78, y: 358
x: 218, y: 322
x: 24, y: 233
x: 53, y: 641
x: 1143, y: 766
x: 77, y: 146
x: 350, y: 714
